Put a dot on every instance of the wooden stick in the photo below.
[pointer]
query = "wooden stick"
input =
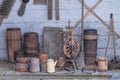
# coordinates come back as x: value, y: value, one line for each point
x: 108, y: 40
x: 113, y: 33
x: 50, y: 9
x: 57, y: 9
x: 1, y: 20
x: 99, y: 19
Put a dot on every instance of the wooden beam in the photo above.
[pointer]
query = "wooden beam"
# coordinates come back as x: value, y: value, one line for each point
x: 1, y: 20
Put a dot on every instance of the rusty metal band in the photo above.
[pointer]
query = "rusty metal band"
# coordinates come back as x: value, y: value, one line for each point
x: 90, y: 37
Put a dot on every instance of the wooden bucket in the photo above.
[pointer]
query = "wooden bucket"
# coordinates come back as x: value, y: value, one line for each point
x: 31, y: 44
x: 43, y: 57
x: 19, y: 54
x: 13, y: 41
x: 102, y: 63
x: 34, y: 65
x: 21, y: 67
x: 90, y: 46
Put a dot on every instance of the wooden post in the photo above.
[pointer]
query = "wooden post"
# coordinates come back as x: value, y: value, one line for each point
x: 42, y: 2
x: 1, y: 20
x: 49, y: 9
x: 57, y: 9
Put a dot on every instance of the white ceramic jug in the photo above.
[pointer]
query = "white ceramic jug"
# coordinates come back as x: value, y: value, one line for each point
x: 51, y: 65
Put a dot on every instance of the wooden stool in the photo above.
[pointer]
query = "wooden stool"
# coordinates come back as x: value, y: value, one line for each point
x: 69, y: 60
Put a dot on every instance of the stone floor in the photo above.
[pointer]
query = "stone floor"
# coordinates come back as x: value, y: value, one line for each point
x: 7, y: 72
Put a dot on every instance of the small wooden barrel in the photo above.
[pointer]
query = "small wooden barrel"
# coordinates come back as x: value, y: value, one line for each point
x: 21, y: 67
x: 13, y: 41
x: 19, y: 54
x: 34, y: 65
x: 43, y: 57
x: 31, y: 44
x: 102, y: 63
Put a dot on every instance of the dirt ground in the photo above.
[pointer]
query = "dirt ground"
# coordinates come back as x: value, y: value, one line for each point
x: 7, y: 72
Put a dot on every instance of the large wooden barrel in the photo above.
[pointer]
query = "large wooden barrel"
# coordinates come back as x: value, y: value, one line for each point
x: 13, y: 41
x: 90, y: 46
x: 31, y: 44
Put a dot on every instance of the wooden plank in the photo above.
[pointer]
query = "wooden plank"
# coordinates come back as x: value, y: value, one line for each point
x: 57, y: 9
x: 50, y: 9
x: 42, y: 2
x: 53, y: 41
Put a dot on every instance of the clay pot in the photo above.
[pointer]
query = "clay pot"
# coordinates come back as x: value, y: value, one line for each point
x: 43, y: 57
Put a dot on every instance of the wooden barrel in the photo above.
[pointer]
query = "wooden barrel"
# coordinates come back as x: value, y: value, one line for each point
x: 34, y: 65
x: 31, y: 44
x: 90, y: 46
x: 102, y: 63
x: 13, y: 41
x: 21, y: 67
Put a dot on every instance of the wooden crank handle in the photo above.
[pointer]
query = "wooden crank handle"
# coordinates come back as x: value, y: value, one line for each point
x: 111, y: 15
x: 22, y: 8
x: 25, y: 1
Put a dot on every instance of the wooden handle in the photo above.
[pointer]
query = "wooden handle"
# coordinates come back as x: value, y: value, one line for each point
x: 21, y: 10
x: 50, y: 9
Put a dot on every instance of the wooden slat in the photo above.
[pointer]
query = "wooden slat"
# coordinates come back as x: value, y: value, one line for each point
x: 6, y: 7
x: 53, y: 41
x: 50, y: 9
x: 42, y: 2
x: 57, y: 9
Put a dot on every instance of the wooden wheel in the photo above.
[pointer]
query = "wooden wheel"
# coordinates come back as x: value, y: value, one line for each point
x: 71, y: 47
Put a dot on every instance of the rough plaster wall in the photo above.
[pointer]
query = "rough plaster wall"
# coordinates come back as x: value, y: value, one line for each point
x: 35, y: 19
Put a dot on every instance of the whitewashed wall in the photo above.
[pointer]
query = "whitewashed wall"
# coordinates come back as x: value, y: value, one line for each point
x: 35, y: 19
